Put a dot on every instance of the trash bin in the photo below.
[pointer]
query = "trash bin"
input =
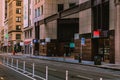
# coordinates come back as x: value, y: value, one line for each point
x: 79, y: 59
x: 97, y: 60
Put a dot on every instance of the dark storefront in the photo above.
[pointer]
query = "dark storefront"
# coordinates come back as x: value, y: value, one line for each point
x: 66, y: 29
x: 100, y: 31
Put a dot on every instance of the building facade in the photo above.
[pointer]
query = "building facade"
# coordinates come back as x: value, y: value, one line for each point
x: 28, y: 24
x: 3, y: 41
x: 15, y: 24
x: 49, y: 36
x: 98, y: 24
x: 101, y: 31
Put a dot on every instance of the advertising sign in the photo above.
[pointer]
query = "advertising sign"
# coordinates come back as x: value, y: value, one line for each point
x: 25, y: 14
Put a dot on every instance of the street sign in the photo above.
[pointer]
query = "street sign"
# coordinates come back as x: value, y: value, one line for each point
x: 35, y: 40
x: 6, y: 36
x: 47, y: 39
x: 76, y: 36
x: 82, y: 41
x: 72, y: 45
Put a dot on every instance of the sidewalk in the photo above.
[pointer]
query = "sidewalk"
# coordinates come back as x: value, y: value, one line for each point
x: 68, y: 60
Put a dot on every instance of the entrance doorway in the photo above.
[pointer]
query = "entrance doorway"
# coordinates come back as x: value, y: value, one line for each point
x: 101, y: 47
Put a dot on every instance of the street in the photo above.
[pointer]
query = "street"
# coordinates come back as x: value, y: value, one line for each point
x: 57, y: 70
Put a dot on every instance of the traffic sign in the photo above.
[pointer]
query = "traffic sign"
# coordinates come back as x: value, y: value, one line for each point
x: 72, y: 45
x: 82, y: 41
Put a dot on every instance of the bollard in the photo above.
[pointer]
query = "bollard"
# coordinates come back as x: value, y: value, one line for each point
x: 17, y: 64
x: 66, y: 75
x: 4, y: 60
x: 101, y: 79
x: 23, y: 66
x: 33, y: 73
x: 7, y: 61
x: 11, y: 62
x: 46, y: 72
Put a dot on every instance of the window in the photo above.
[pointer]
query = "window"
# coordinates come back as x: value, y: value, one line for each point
x: 42, y: 10
x: 35, y: 1
x: 38, y: 11
x: 18, y: 27
x: 18, y: 11
x: 35, y: 13
x: 38, y: 1
x: 31, y: 33
x: 18, y: 3
x: 72, y: 5
x: 18, y: 19
x: 60, y: 7
x: 18, y: 36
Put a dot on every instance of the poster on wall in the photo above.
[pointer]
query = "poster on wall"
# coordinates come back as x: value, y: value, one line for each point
x: 25, y: 14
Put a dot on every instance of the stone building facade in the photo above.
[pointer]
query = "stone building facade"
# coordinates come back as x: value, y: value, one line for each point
x: 15, y: 23
x: 51, y: 42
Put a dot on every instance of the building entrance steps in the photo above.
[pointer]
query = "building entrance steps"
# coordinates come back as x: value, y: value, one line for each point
x: 66, y: 59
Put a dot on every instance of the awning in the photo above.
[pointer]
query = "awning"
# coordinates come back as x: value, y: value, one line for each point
x: 27, y: 42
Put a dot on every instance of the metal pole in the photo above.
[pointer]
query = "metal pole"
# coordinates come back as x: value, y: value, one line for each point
x: 33, y: 73
x: 4, y: 60
x: 11, y: 62
x: 17, y: 64
x: 46, y: 72
x: 7, y: 61
x: 81, y: 52
x: 66, y: 75
x: 23, y: 66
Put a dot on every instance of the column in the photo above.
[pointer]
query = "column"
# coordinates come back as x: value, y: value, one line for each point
x: 117, y: 32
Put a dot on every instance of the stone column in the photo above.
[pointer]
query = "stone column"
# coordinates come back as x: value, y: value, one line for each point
x: 117, y: 32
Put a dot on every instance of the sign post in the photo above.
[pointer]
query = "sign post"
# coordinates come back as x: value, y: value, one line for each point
x: 82, y: 43
x: 6, y: 37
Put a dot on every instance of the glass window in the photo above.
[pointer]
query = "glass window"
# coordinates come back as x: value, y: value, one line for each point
x: 42, y: 10
x: 38, y: 11
x: 18, y: 19
x: 60, y: 7
x: 18, y: 36
x: 18, y: 3
x: 72, y: 5
x: 18, y: 11
x: 35, y: 13
x: 18, y: 27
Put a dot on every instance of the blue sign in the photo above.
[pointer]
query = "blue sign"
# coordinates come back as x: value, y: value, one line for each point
x: 82, y: 41
x: 35, y: 40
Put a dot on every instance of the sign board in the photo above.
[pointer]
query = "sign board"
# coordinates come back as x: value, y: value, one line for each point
x: 35, y: 40
x: 82, y: 41
x: 76, y: 36
x: 47, y: 39
x: 72, y: 45
x: 25, y: 13
x: 96, y: 34
x: 6, y: 36
x: 21, y: 43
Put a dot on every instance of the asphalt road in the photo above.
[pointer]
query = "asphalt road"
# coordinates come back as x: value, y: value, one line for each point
x: 75, y: 71
x: 8, y: 74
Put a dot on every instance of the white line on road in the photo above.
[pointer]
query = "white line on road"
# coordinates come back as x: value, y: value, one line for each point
x: 52, y: 69
x: 84, y: 77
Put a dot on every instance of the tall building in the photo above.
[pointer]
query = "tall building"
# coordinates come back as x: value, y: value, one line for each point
x: 51, y: 38
x: 28, y: 24
x: 3, y: 42
x: 15, y: 23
